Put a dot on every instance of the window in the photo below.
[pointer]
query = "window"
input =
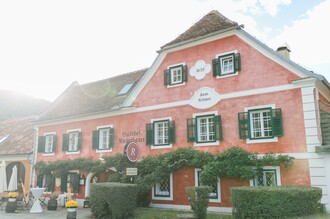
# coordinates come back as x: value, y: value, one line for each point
x: 103, y: 138
x: 204, y: 128
x: 214, y: 195
x: 71, y: 179
x: 46, y: 181
x: 160, y: 133
x: 163, y: 190
x: 270, y: 176
x: 175, y: 75
x: 226, y: 64
x: 71, y: 141
x: 262, y: 123
x: 3, y: 138
x: 126, y: 88
x: 47, y: 143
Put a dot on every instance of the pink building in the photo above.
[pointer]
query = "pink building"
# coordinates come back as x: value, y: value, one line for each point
x: 213, y: 87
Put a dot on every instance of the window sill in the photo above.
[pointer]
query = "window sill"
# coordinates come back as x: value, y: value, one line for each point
x: 176, y: 85
x: 72, y: 152
x: 161, y: 146
x: 162, y: 198
x: 227, y: 75
x: 103, y: 150
x: 48, y: 154
x: 215, y: 143
x: 264, y: 140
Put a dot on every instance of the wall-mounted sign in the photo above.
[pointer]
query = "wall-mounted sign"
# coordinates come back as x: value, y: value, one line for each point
x: 131, y: 171
x: 133, y: 135
x: 200, y: 69
x: 204, y: 98
x: 132, y: 151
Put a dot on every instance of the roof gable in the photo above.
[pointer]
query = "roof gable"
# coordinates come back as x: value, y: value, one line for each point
x: 212, y: 22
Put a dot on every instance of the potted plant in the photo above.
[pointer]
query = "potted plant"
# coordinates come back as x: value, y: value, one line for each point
x: 52, y: 203
x: 12, y: 203
x: 87, y: 202
x: 71, y: 205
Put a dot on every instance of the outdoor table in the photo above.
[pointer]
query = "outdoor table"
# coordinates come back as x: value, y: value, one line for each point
x: 36, y: 192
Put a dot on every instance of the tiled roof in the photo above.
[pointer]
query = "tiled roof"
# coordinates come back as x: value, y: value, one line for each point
x: 96, y: 97
x: 212, y: 22
x: 16, y: 136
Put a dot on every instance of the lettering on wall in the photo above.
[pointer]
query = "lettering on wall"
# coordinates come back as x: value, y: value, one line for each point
x: 131, y: 136
x: 204, y: 98
x: 200, y: 69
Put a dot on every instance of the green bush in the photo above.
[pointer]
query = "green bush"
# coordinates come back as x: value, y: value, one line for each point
x: 275, y: 202
x: 113, y: 200
x: 198, y: 198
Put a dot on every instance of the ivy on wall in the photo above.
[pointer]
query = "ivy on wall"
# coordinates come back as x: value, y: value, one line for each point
x: 234, y: 162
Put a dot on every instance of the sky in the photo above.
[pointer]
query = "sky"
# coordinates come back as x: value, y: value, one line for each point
x: 46, y: 45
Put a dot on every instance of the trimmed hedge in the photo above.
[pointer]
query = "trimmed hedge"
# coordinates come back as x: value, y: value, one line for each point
x: 275, y: 202
x: 113, y: 200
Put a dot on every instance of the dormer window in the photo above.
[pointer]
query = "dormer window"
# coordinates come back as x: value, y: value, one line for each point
x: 125, y: 88
x: 175, y: 75
x: 3, y: 138
x: 226, y: 64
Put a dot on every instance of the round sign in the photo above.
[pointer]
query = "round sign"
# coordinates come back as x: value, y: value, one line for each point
x: 132, y: 151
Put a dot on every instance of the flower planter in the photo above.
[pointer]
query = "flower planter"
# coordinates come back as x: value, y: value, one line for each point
x: 87, y: 204
x: 11, y: 199
x: 72, y: 209
x: 11, y: 207
x: 72, y: 213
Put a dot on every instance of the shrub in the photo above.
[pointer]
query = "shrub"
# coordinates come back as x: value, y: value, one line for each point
x: 113, y: 200
x: 198, y: 198
x: 275, y: 202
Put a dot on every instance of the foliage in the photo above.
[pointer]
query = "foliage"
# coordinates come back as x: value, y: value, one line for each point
x: 71, y: 204
x: 275, y: 202
x: 113, y: 200
x: 53, y: 196
x: 198, y: 198
x: 12, y: 195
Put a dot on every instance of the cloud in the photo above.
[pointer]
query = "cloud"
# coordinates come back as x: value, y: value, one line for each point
x: 271, y: 7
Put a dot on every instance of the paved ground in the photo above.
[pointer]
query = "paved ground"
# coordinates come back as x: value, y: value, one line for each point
x: 60, y: 213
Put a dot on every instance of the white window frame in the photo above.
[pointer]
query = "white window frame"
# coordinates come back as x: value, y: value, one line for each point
x: 212, y: 143
x: 170, y: 198
x: 227, y: 54
x: 156, y: 146
x: 273, y: 168
x: 99, y: 128
x: 46, y: 153
x: 215, y: 200
x: 262, y: 140
x: 176, y: 84
x: 68, y: 132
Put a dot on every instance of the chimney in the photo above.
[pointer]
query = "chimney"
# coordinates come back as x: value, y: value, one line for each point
x: 284, y: 50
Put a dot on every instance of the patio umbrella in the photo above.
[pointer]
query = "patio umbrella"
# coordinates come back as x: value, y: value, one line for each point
x: 3, y: 177
x: 13, y: 180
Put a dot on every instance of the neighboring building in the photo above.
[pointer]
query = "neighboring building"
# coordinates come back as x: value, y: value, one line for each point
x: 16, y: 148
x: 212, y: 88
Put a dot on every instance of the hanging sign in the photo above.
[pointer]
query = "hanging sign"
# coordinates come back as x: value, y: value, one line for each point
x: 204, y: 98
x: 132, y: 151
x: 131, y: 171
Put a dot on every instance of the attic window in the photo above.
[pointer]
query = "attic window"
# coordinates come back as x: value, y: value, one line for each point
x: 125, y: 88
x: 3, y: 138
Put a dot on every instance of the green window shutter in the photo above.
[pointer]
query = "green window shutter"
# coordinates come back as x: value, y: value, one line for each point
x: 149, y: 134
x: 64, y: 183
x: 243, y: 125
x: 167, y: 77
x: 111, y: 137
x: 54, y: 142
x: 40, y: 179
x: 215, y: 67
x: 75, y: 185
x: 95, y: 141
x: 41, y: 144
x: 191, y: 130
x: 51, y: 183
x: 217, y: 127
x: 184, y: 73
x: 171, y: 125
x: 79, y: 140
x: 277, y: 122
x: 65, y: 142
x: 237, y: 62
